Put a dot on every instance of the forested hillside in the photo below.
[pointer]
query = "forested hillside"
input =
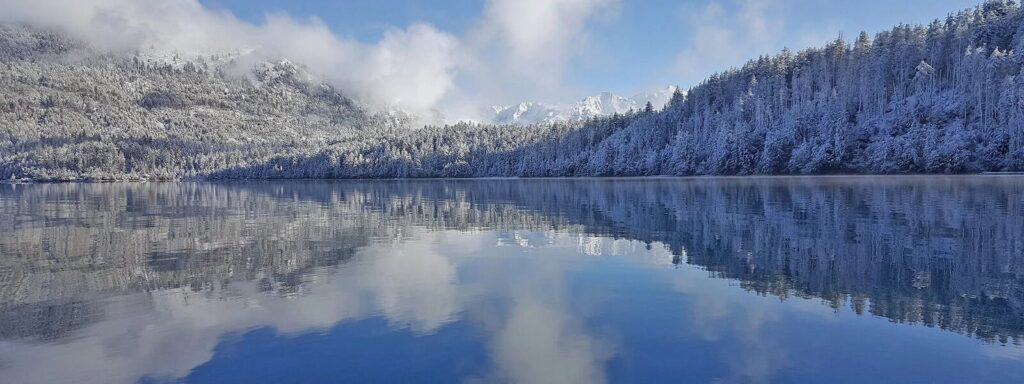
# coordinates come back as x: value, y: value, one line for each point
x: 68, y: 111
x: 943, y: 98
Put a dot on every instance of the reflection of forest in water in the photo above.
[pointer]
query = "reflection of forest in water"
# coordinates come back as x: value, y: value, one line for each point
x: 944, y: 252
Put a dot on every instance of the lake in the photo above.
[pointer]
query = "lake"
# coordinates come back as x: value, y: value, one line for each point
x: 906, y: 279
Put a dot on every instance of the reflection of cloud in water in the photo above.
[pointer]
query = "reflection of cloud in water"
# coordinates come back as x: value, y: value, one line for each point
x: 412, y: 284
x: 718, y: 313
x: 540, y: 337
x: 168, y: 333
x: 536, y: 337
x: 926, y: 252
x: 722, y: 310
x: 540, y: 342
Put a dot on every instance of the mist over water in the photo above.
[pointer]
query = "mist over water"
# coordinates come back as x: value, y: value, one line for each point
x: 592, y: 280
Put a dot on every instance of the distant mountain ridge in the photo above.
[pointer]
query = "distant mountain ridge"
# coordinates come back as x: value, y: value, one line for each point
x: 603, y: 104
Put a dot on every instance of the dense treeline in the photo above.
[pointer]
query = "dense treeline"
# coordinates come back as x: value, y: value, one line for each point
x: 946, y: 97
x: 943, y: 98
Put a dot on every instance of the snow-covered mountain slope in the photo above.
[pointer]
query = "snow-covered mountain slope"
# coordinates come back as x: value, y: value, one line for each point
x: 604, y: 104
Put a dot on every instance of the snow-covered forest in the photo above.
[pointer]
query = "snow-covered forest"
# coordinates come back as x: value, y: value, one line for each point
x: 947, y: 97
x: 69, y: 112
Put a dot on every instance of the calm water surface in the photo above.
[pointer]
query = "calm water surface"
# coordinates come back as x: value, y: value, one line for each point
x: 736, y: 280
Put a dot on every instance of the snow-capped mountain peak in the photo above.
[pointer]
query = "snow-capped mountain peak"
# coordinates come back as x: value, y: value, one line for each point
x: 603, y: 104
x: 527, y: 113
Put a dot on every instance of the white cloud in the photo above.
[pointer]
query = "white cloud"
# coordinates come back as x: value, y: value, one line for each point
x: 522, y: 48
x: 414, y: 67
x: 120, y: 24
x: 721, y: 38
x: 539, y: 35
x: 166, y: 334
x: 519, y: 48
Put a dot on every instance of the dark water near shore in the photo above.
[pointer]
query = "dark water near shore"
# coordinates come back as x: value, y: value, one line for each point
x: 733, y: 280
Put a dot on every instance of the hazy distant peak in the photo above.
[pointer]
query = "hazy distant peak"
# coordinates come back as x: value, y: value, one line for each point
x: 602, y: 104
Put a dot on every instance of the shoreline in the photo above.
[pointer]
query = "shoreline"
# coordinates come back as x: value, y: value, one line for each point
x: 513, y: 178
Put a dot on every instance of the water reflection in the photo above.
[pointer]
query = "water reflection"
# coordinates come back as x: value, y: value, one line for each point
x: 553, y: 281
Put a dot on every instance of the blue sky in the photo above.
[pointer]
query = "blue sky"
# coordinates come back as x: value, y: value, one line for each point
x: 629, y: 46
